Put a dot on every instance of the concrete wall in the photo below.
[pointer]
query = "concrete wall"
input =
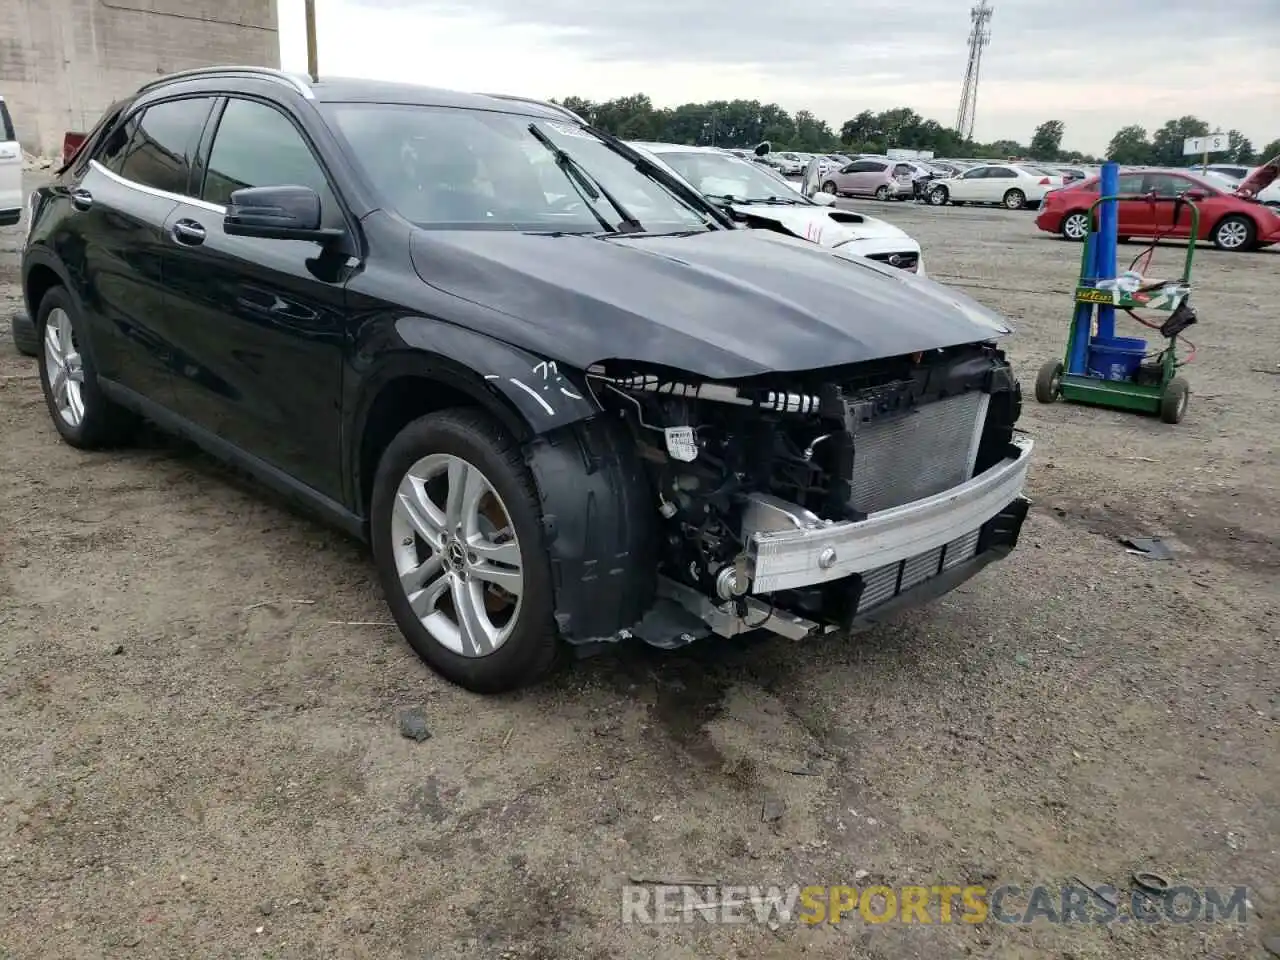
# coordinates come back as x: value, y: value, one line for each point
x: 63, y: 61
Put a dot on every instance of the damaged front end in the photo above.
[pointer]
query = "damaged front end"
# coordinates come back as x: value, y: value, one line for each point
x: 814, y: 502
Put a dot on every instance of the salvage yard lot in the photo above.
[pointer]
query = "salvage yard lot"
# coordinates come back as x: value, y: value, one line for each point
x: 198, y: 706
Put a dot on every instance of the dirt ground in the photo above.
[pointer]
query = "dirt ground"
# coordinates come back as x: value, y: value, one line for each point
x: 201, y: 759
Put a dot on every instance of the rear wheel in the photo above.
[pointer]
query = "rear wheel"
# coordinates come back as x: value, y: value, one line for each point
x: 1174, y: 400
x: 458, y: 545
x: 1075, y: 226
x: 1049, y: 381
x: 882, y: 192
x: 81, y: 412
x: 1234, y: 233
x: 1015, y: 199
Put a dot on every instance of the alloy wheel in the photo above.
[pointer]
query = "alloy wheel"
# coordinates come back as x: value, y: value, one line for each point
x: 1233, y: 234
x: 457, y: 555
x: 1076, y: 226
x: 64, y: 367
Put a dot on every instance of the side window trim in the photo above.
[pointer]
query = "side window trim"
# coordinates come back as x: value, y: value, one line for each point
x: 137, y: 111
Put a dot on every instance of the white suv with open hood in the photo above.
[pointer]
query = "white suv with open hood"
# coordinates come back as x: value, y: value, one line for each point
x: 756, y: 197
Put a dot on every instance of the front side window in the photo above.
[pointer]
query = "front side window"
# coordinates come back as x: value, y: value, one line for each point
x: 1167, y: 185
x: 446, y: 167
x: 977, y: 173
x: 163, y: 142
x: 256, y: 145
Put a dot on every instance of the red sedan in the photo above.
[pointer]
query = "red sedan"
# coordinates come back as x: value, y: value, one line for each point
x: 1231, y: 222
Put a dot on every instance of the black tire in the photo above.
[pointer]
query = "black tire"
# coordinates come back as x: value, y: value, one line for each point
x: 1235, y: 233
x: 1015, y: 199
x: 938, y: 196
x: 533, y: 647
x: 882, y: 192
x: 1174, y: 400
x: 25, y: 340
x: 1049, y: 381
x: 104, y: 423
x: 831, y: 188
x: 1075, y: 226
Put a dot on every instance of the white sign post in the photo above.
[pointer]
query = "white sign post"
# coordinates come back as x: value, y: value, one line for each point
x: 1214, y: 143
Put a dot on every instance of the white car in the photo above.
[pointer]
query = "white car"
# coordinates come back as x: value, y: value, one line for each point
x: 758, y: 198
x: 10, y: 170
x: 1270, y: 195
x: 1013, y: 185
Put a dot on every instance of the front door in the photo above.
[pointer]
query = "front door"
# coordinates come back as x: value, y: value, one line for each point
x: 260, y: 323
x: 969, y: 186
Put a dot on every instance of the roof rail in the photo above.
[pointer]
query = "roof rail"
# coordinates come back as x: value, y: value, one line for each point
x: 563, y: 111
x: 266, y: 73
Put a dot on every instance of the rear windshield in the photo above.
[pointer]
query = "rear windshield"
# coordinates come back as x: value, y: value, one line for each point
x: 6, y: 124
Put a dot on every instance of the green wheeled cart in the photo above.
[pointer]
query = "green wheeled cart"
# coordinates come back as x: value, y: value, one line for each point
x: 1102, y: 369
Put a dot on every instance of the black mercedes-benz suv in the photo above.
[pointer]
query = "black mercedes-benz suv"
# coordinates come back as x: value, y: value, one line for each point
x: 564, y: 399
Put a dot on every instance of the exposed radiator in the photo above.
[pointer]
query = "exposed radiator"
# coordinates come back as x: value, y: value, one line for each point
x: 932, y: 448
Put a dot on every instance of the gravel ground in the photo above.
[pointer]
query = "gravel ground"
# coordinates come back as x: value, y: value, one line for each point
x: 201, y: 759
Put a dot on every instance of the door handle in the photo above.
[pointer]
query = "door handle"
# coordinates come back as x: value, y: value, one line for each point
x: 81, y: 199
x: 189, y: 233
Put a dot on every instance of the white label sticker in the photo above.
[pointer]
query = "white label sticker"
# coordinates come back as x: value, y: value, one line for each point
x: 569, y: 129
x: 680, y: 444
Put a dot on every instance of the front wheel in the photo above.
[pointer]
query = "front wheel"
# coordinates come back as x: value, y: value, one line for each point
x: 1234, y: 233
x: 1049, y: 381
x: 458, y: 545
x: 81, y: 412
x: 938, y: 196
x: 1015, y: 199
x: 1075, y: 226
x: 830, y: 187
x: 1174, y: 400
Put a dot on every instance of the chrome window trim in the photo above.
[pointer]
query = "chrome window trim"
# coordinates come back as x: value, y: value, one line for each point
x: 156, y: 191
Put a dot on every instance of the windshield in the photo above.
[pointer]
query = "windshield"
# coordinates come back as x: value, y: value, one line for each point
x: 448, y: 168
x: 719, y: 176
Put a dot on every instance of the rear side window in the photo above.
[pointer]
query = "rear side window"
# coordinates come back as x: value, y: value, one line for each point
x: 163, y: 142
x: 258, y: 146
x: 6, y: 124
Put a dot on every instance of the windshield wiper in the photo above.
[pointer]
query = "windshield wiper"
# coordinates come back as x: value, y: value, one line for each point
x: 582, y: 181
x: 787, y: 200
x: 677, y: 187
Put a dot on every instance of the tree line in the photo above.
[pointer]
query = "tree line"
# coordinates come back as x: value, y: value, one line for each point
x: 744, y: 123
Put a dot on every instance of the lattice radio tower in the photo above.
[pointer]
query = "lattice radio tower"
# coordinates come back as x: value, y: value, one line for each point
x: 979, y: 37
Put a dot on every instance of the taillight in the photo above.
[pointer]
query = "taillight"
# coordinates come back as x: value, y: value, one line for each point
x: 1044, y: 181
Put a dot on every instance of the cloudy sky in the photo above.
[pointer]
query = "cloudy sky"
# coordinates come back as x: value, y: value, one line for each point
x: 1048, y: 59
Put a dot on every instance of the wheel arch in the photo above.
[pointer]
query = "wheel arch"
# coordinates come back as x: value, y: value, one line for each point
x: 438, y: 366
x: 1243, y: 215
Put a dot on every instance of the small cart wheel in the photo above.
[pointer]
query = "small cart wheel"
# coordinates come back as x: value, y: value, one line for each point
x: 1049, y: 381
x: 1173, y: 402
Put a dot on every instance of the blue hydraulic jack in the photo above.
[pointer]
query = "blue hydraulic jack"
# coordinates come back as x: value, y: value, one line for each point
x: 1100, y: 368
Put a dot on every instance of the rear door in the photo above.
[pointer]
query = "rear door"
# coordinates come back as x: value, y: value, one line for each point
x: 10, y: 170
x: 122, y: 198
x: 260, y: 322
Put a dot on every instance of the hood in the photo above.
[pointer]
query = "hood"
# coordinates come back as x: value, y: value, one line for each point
x: 825, y: 225
x: 722, y: 304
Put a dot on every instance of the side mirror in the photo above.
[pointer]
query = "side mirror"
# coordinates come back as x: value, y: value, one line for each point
x: 276, y: 213
x: 823, y: 199
x: 762, y: 148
